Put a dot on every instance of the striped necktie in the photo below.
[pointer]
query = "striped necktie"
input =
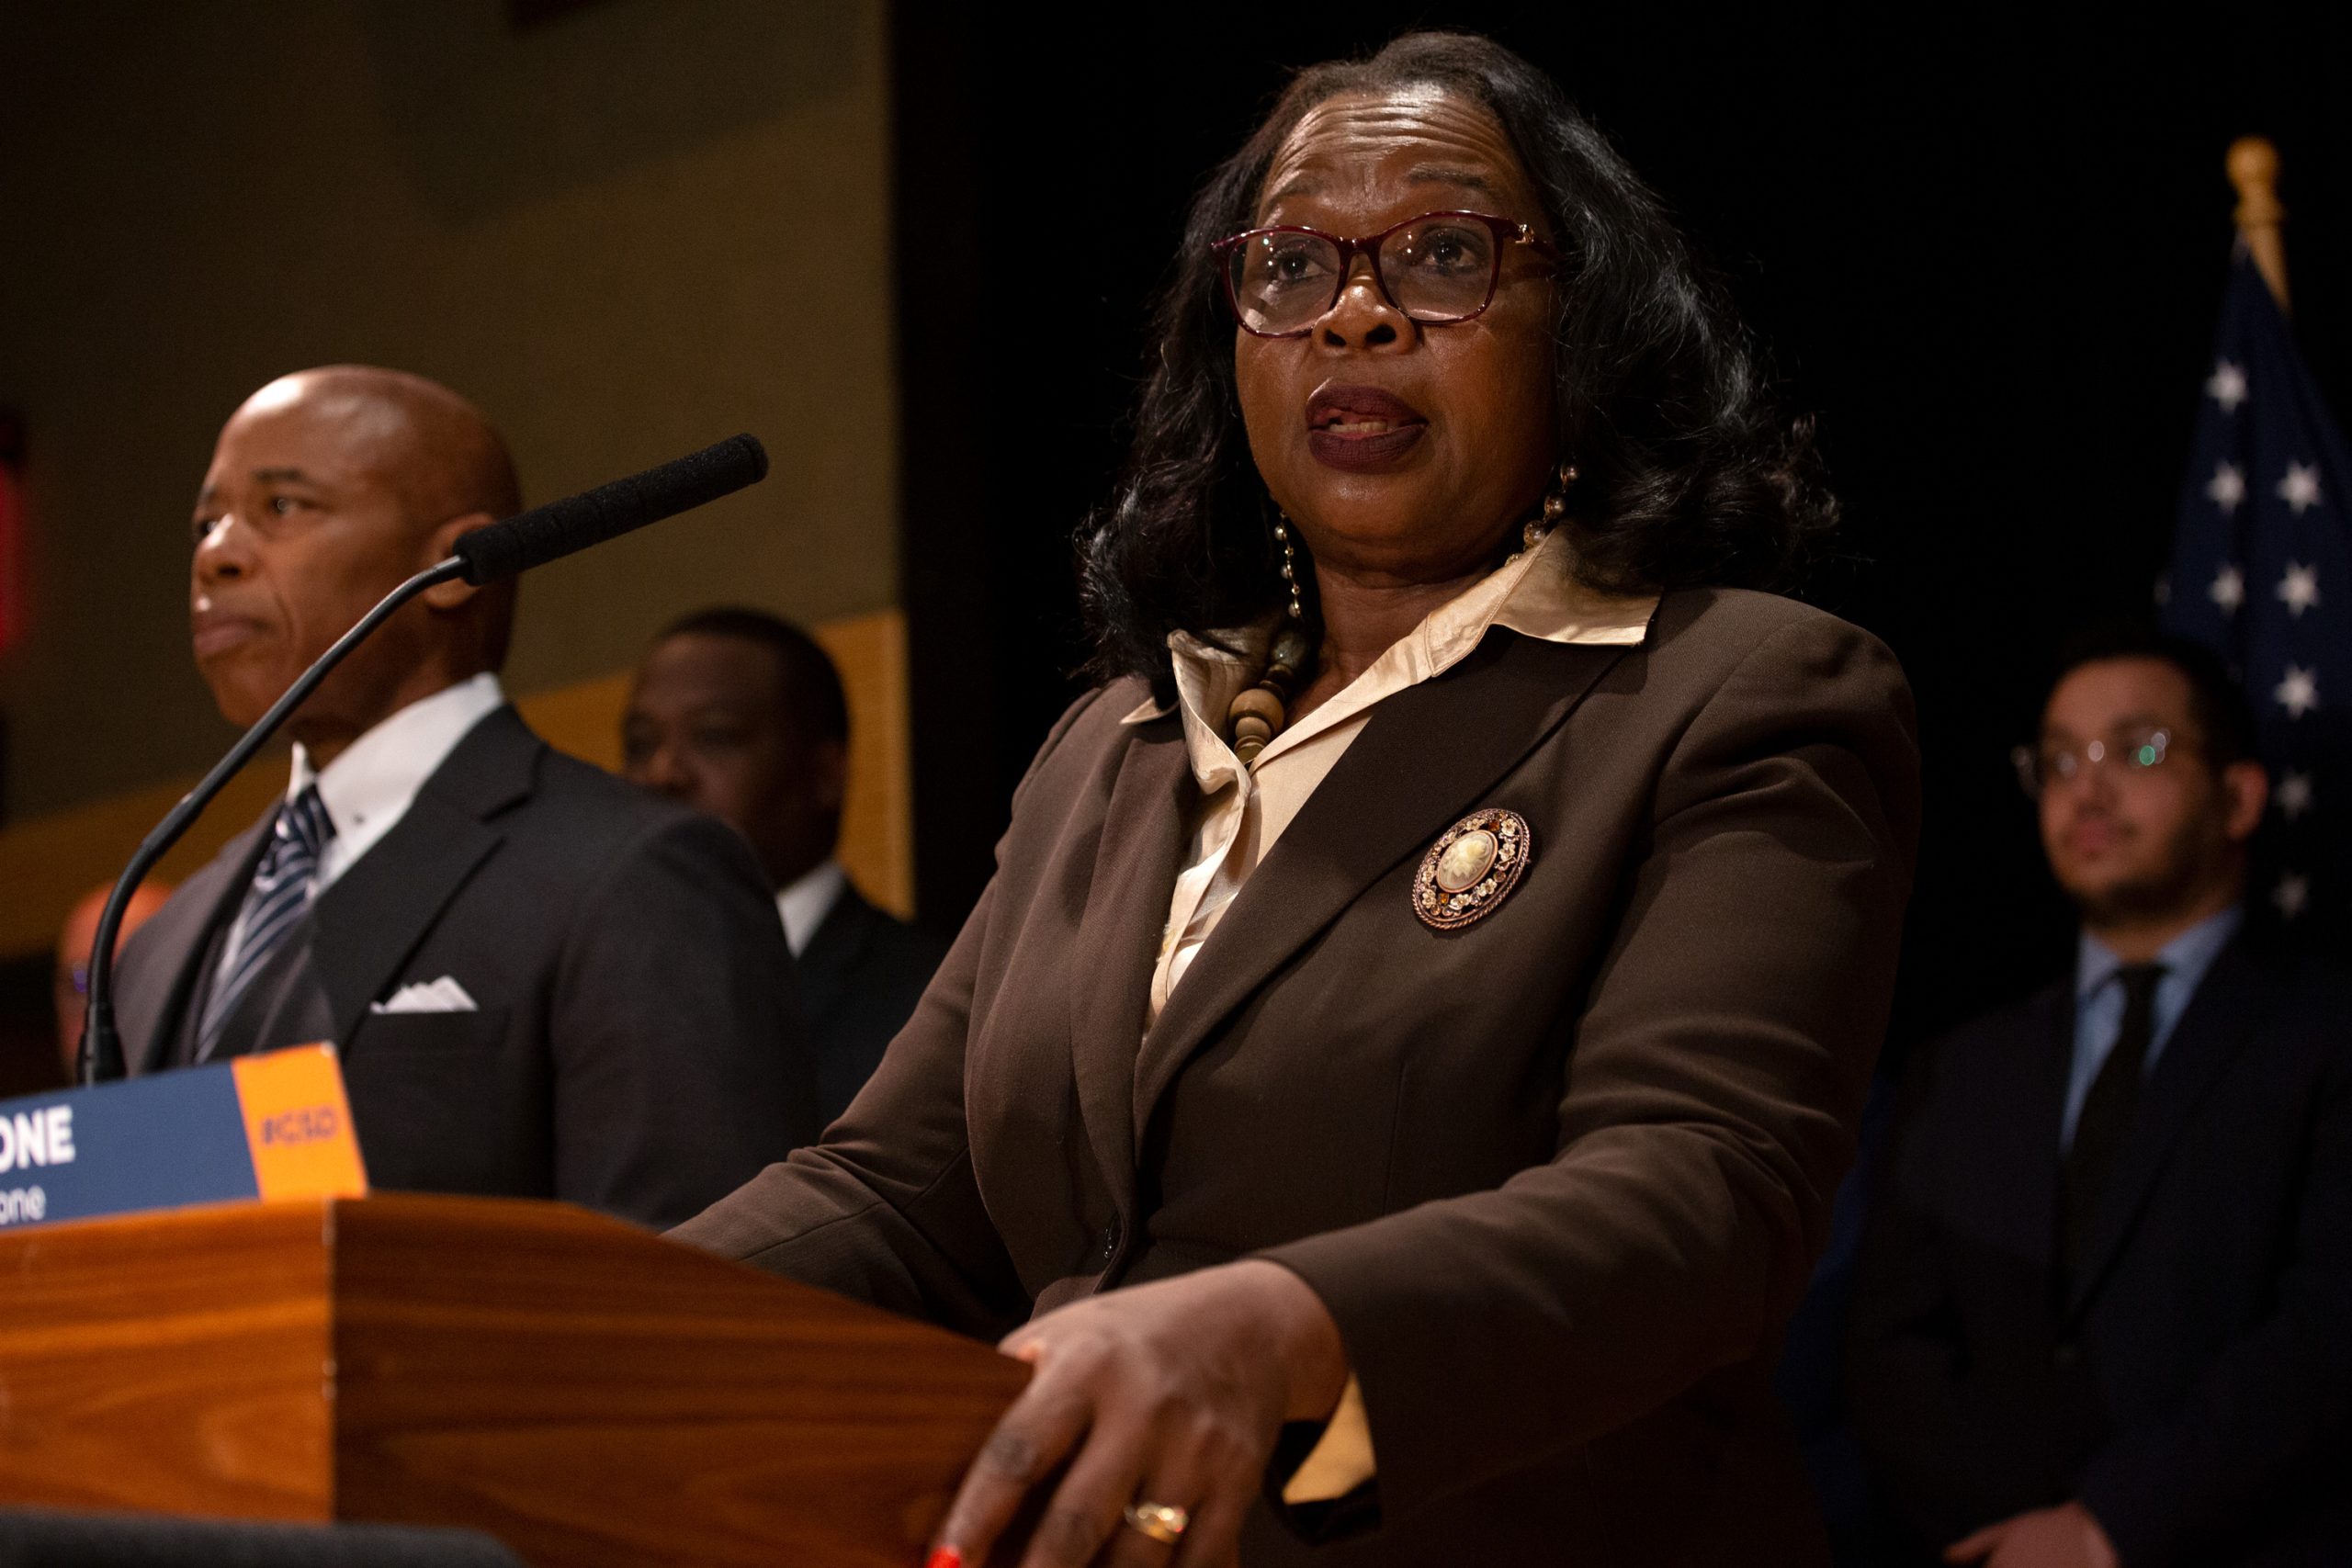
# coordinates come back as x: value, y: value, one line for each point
x: 281, y: 891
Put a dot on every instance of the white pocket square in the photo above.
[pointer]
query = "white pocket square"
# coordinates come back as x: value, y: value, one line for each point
x: 444, y: 995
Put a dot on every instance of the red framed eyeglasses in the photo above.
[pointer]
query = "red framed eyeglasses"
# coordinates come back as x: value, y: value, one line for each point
x: 1438, y: 268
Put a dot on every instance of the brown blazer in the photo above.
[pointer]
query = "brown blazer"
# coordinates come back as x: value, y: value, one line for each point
x: 1559, y: 1175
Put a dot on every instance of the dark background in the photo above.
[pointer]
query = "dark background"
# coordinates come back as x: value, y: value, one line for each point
x: 1991, y: 259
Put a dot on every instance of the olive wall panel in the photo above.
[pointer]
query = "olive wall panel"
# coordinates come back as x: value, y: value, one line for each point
x: 626, y: 231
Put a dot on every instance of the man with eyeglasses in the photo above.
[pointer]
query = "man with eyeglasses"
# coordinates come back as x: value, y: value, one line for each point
x: 2104, y: 1310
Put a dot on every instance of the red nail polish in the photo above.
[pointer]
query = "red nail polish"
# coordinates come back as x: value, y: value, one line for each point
x: 944, y: 1557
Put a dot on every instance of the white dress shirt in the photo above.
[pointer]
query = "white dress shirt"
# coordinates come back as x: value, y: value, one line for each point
x: 371, y: 783
x: 806, y: 901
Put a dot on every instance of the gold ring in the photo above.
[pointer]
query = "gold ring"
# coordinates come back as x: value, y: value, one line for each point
x: 1162, y: 1522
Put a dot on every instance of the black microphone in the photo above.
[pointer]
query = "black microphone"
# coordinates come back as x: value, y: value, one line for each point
x: 545, y: 533
x: 525, y: 540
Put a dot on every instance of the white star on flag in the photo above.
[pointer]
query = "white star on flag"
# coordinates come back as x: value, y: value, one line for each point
x: 2294, y: 795
x: 2299, y: 489
x: 2291, y: 894
x: 2228, y: 589
x: 2227, y: 487
x: 2299, y: 692
x: 2299, y: 590
x: 2227, y: 386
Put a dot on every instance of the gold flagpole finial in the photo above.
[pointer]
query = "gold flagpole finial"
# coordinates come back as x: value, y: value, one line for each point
x: 2254, y: 169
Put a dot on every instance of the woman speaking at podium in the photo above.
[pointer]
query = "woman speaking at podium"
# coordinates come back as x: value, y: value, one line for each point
x: 1393, y: 1086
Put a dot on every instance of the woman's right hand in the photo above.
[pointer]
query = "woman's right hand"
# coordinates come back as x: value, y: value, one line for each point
x: 1169, y: 1393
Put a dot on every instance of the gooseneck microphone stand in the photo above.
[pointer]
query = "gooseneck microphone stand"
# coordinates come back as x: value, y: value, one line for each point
x: 101, y: 1044
x: 485, y: 556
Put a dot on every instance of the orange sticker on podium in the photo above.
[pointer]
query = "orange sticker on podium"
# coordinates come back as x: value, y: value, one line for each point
x: 298, y: 1124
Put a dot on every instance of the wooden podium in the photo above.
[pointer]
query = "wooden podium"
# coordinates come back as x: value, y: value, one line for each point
x: 583, y: 1391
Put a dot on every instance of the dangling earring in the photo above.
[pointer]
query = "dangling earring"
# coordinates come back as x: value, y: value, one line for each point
x: 1257, y: 715
x: 1555, y: 507
x: 1290, y: 573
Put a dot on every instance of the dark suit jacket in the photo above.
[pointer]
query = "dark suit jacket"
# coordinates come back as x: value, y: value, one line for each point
x: 1558, y: 1175
x: 631, y: 980
x: 859, y: 979
x: 2194, y: 1390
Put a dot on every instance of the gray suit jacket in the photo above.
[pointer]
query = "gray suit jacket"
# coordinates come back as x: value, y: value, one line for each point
x: 631, y: 980
x: 1558, y: 1175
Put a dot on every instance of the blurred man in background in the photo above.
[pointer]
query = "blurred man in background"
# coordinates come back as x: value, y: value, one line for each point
x: 741, y: 715
x: 2103, y: 1301
x: 543, y: 982
x: 70, y: 984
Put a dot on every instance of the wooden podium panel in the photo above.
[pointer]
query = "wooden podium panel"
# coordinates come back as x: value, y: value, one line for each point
x: 176, y: 1364
x: 585, y: 1391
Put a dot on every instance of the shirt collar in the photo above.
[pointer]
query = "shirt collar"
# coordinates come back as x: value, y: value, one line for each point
x: 804, y: 902
x: 373, y: 779
x: 1536, y: 593
x: 2186, y: 957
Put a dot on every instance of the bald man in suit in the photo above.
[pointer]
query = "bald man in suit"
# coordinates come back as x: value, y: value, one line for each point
x: 542, y: 982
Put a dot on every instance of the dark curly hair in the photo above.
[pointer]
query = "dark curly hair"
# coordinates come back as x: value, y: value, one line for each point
x: 1688, y: 475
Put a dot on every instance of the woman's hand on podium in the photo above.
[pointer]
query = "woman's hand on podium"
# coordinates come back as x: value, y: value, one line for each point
x: 1169, y: 1393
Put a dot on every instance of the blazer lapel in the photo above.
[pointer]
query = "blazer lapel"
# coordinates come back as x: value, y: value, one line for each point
x: 1137, y: 859
x: 1385, y: 799
x: 371, y: 921
x: 149, y: 1017
x: 2227, y: 1008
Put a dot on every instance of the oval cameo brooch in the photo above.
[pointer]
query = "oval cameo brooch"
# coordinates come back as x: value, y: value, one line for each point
x: 1471, y: 868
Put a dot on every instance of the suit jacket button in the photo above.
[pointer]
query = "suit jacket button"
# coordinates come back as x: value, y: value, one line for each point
x: 1110, y: 1239
x: 2066, y: 1354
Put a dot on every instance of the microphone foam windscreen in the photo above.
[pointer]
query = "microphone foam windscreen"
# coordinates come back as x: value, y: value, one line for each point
x: 542, y: 534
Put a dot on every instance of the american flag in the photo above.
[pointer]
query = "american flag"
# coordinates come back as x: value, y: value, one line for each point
x: 2262, y: 571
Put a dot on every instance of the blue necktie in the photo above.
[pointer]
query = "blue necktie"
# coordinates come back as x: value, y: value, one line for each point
x: 281, y: 891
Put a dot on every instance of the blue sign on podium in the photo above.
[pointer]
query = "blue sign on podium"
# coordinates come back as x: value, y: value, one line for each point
x: 262, y: 1127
